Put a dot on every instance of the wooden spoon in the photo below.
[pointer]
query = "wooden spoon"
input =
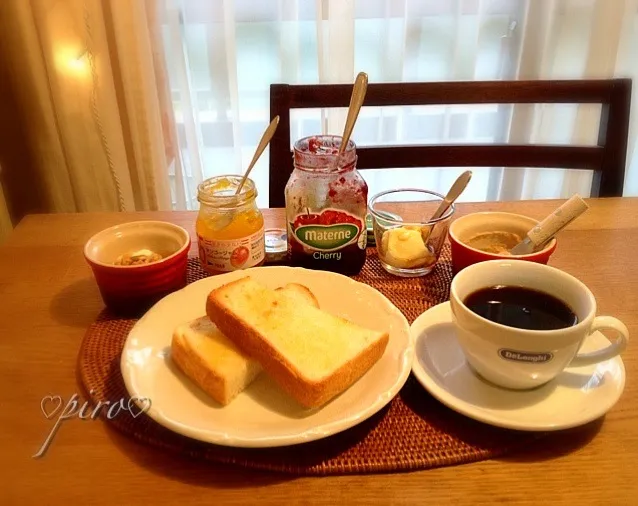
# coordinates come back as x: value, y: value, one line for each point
x: 542, y: 233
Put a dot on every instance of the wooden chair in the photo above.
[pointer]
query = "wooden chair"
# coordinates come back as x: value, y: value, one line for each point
x: 607, y: 159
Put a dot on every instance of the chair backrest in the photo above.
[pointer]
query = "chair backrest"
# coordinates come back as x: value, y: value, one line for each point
x: 607, y: 159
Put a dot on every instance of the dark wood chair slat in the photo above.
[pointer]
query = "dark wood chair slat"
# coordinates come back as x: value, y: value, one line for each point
x: 607, y: 160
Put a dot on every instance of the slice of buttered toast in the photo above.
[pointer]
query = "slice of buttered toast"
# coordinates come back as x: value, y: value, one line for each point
x: 311, y: 354
x: 213, y: 362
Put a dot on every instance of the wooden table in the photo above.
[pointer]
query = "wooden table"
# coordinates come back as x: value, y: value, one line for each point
x: 48, y: 298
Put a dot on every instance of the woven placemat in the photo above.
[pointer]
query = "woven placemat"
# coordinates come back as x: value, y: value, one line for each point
x: 414, y: 431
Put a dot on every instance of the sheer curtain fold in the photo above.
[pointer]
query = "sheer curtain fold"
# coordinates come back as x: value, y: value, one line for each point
x: 26, y: 62
x: 569, y: 40
x: 144, y: 117
x: 87, y: 83
x: 627, y: 65
x: 173, y: 160
x: 233, y: 86
x: 335, y: 52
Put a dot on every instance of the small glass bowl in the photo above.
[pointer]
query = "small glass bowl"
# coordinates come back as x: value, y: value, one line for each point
x: 408, y: 241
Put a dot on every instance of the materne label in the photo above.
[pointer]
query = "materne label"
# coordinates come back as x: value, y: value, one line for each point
x: 327, y: 237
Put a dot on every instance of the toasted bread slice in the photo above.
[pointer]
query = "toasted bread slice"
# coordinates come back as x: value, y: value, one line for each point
x: 312, y: 354
x: 213, y: 362
x: 299, y: 293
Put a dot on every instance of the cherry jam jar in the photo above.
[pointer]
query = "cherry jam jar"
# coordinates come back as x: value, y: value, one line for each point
x: 326, y: 207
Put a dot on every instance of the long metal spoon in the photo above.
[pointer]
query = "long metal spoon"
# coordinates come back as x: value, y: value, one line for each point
x: 265, y: 139
x: 356, y: 101
x: 227, y: 218
x: 454, y: 192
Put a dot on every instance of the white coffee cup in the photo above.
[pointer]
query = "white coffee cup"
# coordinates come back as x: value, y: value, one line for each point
x: 519, y: 358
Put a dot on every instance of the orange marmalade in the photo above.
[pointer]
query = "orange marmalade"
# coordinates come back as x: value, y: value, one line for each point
x: 230, y: 228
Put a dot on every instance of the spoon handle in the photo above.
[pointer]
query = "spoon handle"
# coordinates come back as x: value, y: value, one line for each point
x: 356, y: 101
x: 558, y: 220
x: 265, y: 139
x: 453, y: 194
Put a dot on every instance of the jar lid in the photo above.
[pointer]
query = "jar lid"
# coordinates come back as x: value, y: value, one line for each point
x: 276, y: 240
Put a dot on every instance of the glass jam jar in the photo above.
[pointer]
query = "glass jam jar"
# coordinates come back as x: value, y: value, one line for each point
x: 230, y: 228
x: 326, y: 207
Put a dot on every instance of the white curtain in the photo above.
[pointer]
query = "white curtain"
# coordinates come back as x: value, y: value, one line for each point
x: 90, y: 85
x: 223, y: 55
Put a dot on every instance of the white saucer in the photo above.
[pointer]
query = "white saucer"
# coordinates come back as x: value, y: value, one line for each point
x: 576, y: 397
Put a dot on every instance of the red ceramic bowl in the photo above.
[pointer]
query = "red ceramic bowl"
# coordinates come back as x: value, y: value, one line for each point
x: 465, y: 227
x: 133, y: 289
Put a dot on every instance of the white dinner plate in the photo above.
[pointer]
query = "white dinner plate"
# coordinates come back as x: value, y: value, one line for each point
x: 577, y: 396
x: 263, y: 415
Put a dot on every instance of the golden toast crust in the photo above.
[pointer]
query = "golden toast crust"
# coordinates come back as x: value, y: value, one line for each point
x: 198, y: 370
x: 307, y: 392
x: 195, y: 367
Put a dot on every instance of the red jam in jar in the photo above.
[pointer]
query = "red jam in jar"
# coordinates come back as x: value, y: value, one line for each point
x: 326, y: 207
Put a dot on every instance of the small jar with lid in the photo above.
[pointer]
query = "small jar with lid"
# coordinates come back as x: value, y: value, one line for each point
x: 326, y: 207
x: 230, y: 228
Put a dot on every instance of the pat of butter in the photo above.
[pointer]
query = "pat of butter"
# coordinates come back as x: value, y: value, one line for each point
x: 403, y: 247
x: 143, y: 252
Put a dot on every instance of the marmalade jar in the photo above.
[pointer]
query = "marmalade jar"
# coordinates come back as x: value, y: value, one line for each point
x: 230, y: 228
x: 326, y: 207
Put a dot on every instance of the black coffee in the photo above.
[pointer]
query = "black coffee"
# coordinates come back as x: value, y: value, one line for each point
x: 523, y: 308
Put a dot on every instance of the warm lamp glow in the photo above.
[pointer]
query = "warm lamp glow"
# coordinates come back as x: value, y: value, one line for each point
x: 72, y: 62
